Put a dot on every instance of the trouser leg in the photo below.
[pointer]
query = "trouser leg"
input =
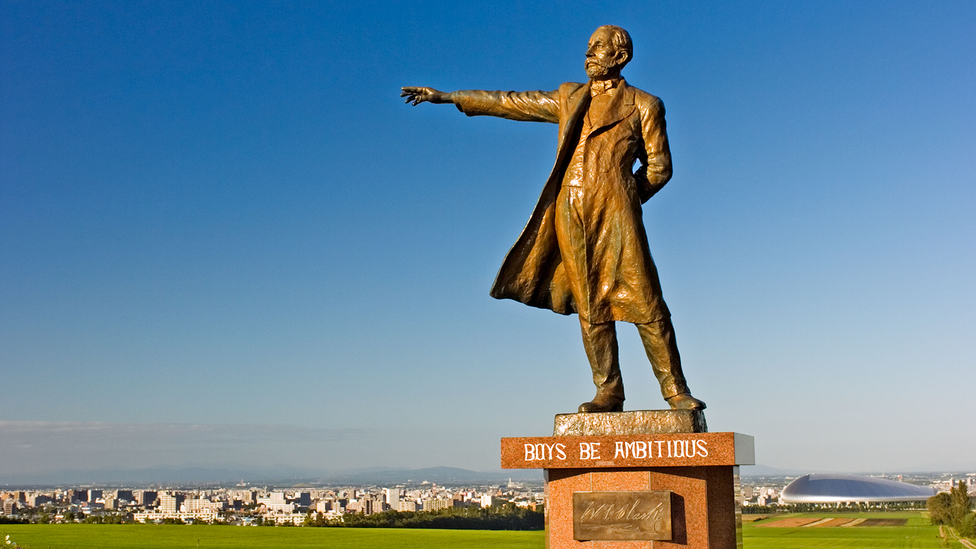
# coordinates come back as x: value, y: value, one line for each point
x: 600, y: 343
x: 662, y: 351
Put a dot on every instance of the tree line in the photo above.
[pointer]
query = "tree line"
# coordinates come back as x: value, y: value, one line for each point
x: 954, y: 509
x: 842, y: 507
x: 505, y: 517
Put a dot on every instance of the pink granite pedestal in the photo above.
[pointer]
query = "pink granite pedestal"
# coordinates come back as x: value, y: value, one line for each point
x: 700, y: 470
x: 704, y: 513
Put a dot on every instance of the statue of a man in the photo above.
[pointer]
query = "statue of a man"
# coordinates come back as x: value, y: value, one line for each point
x: 584, y: 249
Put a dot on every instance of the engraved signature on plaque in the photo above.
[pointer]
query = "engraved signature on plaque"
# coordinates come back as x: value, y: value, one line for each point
x: 622, y: 515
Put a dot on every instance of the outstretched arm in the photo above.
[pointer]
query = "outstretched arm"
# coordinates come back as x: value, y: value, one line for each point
x: 534, y: 106
x: 418, y: 95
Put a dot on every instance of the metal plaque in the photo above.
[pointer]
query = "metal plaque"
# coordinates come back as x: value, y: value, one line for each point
x: 622, y: 515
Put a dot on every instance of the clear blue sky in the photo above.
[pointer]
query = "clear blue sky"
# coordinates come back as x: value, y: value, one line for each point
x: 223, y: 237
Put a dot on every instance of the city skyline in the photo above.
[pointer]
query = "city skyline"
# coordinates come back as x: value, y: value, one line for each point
x: 223, y: 235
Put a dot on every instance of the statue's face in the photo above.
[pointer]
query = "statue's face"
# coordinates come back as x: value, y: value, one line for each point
x: 601, y: 55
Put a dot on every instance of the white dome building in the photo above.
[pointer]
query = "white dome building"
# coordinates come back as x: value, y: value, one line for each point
x: 852, y: 488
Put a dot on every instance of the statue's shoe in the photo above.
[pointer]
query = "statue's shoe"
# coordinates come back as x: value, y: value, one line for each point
x: 599, y: 405
x: 685, y: 401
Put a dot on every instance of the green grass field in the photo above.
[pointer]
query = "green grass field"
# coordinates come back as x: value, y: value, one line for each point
x: 915, y: 534
x: 141, y: 536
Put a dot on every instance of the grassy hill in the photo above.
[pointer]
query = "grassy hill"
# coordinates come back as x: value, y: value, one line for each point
x: 912, y: 531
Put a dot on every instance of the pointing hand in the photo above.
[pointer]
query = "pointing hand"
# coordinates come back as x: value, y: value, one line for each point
x: 418, y: 95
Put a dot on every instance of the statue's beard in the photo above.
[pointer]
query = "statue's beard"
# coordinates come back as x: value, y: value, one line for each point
x: 596, y: 69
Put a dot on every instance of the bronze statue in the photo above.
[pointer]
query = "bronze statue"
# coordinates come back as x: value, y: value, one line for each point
x: 584, y: 249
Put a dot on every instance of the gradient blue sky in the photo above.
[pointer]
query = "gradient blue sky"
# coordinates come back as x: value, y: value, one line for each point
x: 220, y: 218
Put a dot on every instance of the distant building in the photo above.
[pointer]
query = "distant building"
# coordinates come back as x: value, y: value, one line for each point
x: 201, y: 504
x: 275, y: 502
x: 437, y: 504
x: 367, y: 506
x: 204, y: 515
x: 852, y: 489
x: 145, y: 498
x: 407, y: 505
x: 392, y: 497
x: 280, y: 518
x: 766, y: 499
x: 170, y: 503
x: 491, y: 500
x: 36, y: 500
x: 247, y: 496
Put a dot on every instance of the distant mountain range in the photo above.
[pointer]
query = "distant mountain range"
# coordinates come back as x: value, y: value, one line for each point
x: 767, y: 471
x: 440, y: 475
x: 279, y: 476
x: 282, y: 476
x: 752, y: 471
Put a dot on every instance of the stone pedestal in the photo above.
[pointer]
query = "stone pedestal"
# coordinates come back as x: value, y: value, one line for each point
x: 629, y: 480
x: 638, y: 422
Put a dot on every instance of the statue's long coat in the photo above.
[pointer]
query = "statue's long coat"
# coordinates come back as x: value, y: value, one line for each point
x: 618, y: 279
